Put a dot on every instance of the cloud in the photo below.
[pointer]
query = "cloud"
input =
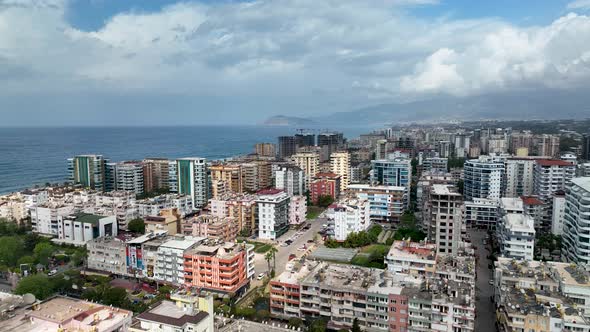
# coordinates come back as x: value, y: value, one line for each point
x: 579, y: 4
x: 312, y: 56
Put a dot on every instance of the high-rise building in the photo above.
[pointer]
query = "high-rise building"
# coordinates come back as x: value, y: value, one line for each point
x: 273, y: 213
x: 309, y: 162
x: 325, y: 184
x: 518, y: 177
x: 229, y: 174
x: 586, y: 147
x: 548, y: 145
x: 435, y: 164
x: 193, y: 180
x: 576, y: 239
x: 558, y: 216
x: 265, y: 149
x: 291, y: 179
x: 304, y: 139
x: 330, y: 142
x: 481, y: 212
x: 483, y: 178
x: 550, y: 176
x: 387, y: 203
x: 128, y: 176
x: 287, y: 146
x: 351, y: 215
x: 445, y: 218
x: 393, y: 172
x: 340, y: 164
x: 88, y: 171
x: 155, y: 174
x: 516, y: 236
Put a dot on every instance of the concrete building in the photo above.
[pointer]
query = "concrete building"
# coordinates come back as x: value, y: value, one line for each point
x: 325, y: 184
x: 516, y: 236
x: 156, y: 174
x: 547, y: 145
x: 88, y: 171
x: 330, y: 142
x: 256, y: 175
x: 80, y: 228
x: 340, y: 164
x: 519, y: 177
x: 521, y: 140
x: 45, y: 217
x: 309, y: 162
x: 413, y: 258
x: 576, y: 239
x: 142, y: 253
x: 297, y: 210
x: 287, y: 146
x: 435, y: 164
x: 13, y: 208
x: 167, y: 220
x: 550, y: 176
x: 193, y: 180
x: 107, y: 254
x: 185, y: 311
x: 356, y: 174
x: 586, y: 147
x: 558, y: 217
x: 483, y: 178
x: 273, y: 213
x: 351, y: 215
x: 152, y: 206
x: 265, y: 150
x: 170, y: 259
x: 128, y: 176
x: 386, y: 203
x: 291, y: 179
x: 68, y: 314
x: 481, y: 213
x: 242, y: 208
x: 228, y: 174
x: 212, y: 227
x: 445, y: 218
x: 225, y: 268
x: 396, y: 172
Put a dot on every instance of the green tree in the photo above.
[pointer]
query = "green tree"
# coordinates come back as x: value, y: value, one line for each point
x: 268, y: 258
x: 318, y: 325
x: 273, y: 253
x: 115, y: 296
x: 295, y: 322
x: 355, y: 326
x: 38, y: 285
x: 136, y: 225
x: 325, y: 200
x: 26, y: 260
x: 43, y: 252
x: 11, y: 249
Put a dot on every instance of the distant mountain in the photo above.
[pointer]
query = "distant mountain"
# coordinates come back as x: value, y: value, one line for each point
x: 543, y: 104
x: 282, y: 120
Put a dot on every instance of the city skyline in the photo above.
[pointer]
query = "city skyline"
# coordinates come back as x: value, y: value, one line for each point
x: 104, y: 62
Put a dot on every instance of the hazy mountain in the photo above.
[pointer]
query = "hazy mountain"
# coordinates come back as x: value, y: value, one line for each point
x: 283, y: 120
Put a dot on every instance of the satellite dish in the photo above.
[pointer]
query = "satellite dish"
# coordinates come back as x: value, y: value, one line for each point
x: 29, y: 299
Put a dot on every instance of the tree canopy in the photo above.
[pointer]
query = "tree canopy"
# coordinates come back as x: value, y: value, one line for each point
x: 136, y: 225
x: 37, y: 284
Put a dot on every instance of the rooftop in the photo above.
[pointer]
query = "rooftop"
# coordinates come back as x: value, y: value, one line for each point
x: 511, y: 204
x: 553, y: 162
x: 518, y: 221
x: 182, y: 244
x: 583, y: 182
x: 168, y: 313
x: 147, y: 237
x: 412, y: 250
x: 445, y: 189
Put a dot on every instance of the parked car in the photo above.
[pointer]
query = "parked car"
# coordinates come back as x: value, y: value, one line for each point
x: 261, y: 275
x: 491, y: 282
x: 292, y: 256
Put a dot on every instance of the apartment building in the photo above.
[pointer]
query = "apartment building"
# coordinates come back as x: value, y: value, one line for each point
x: 547, y: 145
x: 156, y: 174
x: 393, y: 172
x: 413, y: 258
x: 142, y: 253
x: 558, y: 217
x: 287, y: 146
x: 309, y: 162
x: 483, y: 178
x: 170, y: 259
x: 516, y: 236
x: 576, y: 239
x: 519, y: 177
x: 126, y: 176
x: 167, y: 220
x: 45, y: 217
x: 297, y: 210
x: 80, y: 228
x: 193, y: 180
x: 351, y: 215
x: 226, y: 267
x: 273, y: 213
x: 340, y: 164
x: 426, y: 180
x: 152, y: 206
x: 550, y: 176
x: 13, y: 208
x: 212, y: 227
x: 481, y: 213
x: 435, y: 164
x: 256, y: 175
x: 242, y: 208
x: 229, y: 174
x: 325, y: 184
x: 265, y: 150
x: 386, y: 203
x: 107, y: 254
x: 444, y: 217
x: 88, y: 171
x: 291, y: 179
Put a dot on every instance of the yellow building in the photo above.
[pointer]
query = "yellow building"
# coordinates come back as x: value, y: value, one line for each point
x: 340, y: 164
x: 168, y: 220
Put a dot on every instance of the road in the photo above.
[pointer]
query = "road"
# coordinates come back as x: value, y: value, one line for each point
x: 282, y: 256
x: 485, y: 312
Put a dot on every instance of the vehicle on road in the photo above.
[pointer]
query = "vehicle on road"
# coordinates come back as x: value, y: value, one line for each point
x: 292, y: 257
x: 491, y: 282
x: 261, y: 275
x: 288, y: 242
x: 302, y: 248
x: 289, y: 267
x: 310, y: 241
x: 52, y: 272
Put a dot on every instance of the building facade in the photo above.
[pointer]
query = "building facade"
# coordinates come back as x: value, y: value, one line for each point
x: 193, y: 180
x: 273, y: 213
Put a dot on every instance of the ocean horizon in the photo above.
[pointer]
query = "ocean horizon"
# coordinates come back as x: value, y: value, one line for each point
x: 32, y: 156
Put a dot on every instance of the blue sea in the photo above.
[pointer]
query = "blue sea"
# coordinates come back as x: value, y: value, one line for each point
x: 35, y: 156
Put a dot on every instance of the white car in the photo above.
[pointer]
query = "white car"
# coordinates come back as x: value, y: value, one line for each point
x: 289, y: 267
x: 261, y: 275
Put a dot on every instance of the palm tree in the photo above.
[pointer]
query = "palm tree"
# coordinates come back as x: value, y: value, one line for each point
x: 268, y: 258
x: 273, y: 253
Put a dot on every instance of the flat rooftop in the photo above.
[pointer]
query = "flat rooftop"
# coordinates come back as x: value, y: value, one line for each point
x: 168, y: 313
x: 445, y: 189
x: 412, y: 250
x: 583, y: 182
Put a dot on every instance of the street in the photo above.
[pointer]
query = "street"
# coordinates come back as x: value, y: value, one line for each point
x: 484, y: 308
x: 282, y: 256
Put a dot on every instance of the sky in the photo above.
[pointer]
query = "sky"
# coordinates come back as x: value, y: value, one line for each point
x: 137, y: 62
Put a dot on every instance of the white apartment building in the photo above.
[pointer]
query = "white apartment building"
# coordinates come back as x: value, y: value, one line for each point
x: 413, y: 258
x: 550, y: 176
x: 386, y: 203
x: 13, y: 208
x: 34, y: 197
x: 297, y: 210
x: 576, y: 238
x: 129, y: 176
x: 351, y: 215
x: 153, y: 206
x: 483, y: 178
x: 45, y: 217
x: 309, y: 162
x: 435, y: 164
x: 170, y: 259
x: 481, y: 212
x: 445, y: 218
x: 291, y: 179
x: 558, y: 216
x: 516, y: 235
x: 193, y: 180
x: 510, y: 205
x: 519, y: 179
x: 340, y: 164
x: 107, y: 254
x: 273, y: 213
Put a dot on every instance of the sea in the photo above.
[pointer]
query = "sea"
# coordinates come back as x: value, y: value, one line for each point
x: 35, y: 156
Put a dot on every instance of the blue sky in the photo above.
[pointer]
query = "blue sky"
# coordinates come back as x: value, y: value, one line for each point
x: 71, y: 62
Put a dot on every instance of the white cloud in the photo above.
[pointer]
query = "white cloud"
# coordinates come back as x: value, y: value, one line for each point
x: 579, y: 4
x: 331, y: 54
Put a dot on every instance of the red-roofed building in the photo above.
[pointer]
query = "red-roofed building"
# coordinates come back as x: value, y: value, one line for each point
x: 553, y: 162
x: 325, y: 184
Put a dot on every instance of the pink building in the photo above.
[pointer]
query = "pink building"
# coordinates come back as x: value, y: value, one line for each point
x: 297, y: 210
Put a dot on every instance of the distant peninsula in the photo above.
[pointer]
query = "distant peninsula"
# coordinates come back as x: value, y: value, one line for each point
x: 282, y: 120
